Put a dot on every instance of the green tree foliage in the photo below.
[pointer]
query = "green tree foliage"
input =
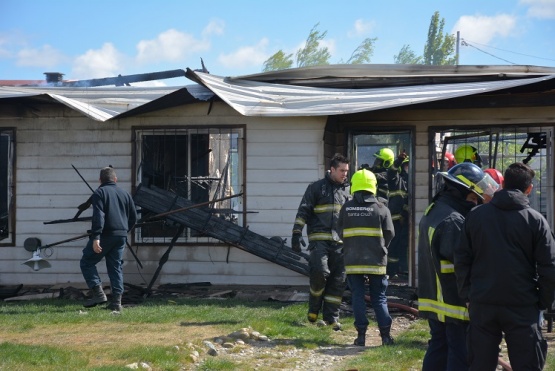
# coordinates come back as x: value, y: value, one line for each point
x: 407, y: 56
x: 440, y: 47
x: 363, y: 52
x: 314, y: 54
x: 278, y: 61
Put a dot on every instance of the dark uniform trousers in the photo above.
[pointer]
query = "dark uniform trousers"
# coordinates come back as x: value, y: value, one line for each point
x: 327, y: 279
x: 526, y: 347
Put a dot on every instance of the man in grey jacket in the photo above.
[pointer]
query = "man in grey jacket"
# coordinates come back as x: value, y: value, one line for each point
x: 114, y: 215
x: 505, y: 270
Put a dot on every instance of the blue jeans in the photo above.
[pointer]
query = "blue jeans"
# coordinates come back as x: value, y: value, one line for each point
x: 378, y: 299
x: 112, y: 249
x: 447, y: 347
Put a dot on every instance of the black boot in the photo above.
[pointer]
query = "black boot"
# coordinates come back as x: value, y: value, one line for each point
x: 99, y: 297
x: 386, y: 336
x: 115, y: 303
x: 361, y: 338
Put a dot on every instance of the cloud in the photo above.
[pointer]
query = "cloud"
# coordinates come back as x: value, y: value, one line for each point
x: 362, y: 28
x: 544, y: 9
x: 104, y: 62
x: 45, y: 56
x: 482, y: 29
x: 214, y: 27
x: 171, y: 45
x: 246, y: 56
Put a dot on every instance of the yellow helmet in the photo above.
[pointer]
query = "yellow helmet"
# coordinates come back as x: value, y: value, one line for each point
x: 364, y: 180
x: 466, y: 153
x: 386, y: 155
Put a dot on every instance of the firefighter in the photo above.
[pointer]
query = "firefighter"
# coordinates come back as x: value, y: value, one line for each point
x: 448, y: 161
x: 366, y: 228
x: 496, y: 184
x: 468, y: 153
x: 383, y: 161
x: 398, y: 206
x: 505, y: 269
x: 319, y: 210
x: 440, y: 230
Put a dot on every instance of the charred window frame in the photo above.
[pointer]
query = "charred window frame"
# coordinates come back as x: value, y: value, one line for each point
x: 200, y: 164
x: 498, y: 147
x: 7, y: 189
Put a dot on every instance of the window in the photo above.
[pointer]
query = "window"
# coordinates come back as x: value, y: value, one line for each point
x: 199, y: 164
x: 498, y: 147
x: 7, y: 235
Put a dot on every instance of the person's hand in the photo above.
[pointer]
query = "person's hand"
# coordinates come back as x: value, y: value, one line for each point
x: 296, y: 242
x: 96, y: 246
x: 399, y: 160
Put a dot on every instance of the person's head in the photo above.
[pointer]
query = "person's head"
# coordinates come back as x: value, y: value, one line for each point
x: 495, y: 174
x: 470, y: 181
x: 468, y: 153
x: 494, y: 184
x: 364, y: 180
x: 519, y: 176
x: 384, y: 158
x: 405, y: 165
x: 108, y: 174
x: 339, y: 168
x: 448, y: 161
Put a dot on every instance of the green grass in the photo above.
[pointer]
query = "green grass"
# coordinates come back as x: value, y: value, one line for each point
x: 62, y: 335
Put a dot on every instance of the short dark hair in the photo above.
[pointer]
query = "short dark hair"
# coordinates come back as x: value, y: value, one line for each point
x: 337, y: 159
x: 519, y: 176
x: 107, y: 174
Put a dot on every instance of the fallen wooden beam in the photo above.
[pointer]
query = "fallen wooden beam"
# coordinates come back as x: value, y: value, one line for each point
x: 161, y: 201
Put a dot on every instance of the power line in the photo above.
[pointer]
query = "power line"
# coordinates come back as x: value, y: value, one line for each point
x: 467, y: 43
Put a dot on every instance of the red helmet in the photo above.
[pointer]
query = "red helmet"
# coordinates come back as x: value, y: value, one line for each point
x: 450, y: 159
x: 496, y: 175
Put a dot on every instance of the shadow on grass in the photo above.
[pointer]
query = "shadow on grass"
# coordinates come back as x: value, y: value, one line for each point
x: 209, y: 323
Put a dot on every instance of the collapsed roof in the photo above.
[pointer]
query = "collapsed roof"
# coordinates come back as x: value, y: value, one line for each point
x: 308, y: 91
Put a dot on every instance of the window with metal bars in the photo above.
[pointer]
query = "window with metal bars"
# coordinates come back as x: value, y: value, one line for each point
x: 497, y: 147
x: 7, y: 153
x: 200, y: 164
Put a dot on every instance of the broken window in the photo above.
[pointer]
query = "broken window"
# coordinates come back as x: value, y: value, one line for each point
x: 6, y: 186
x: 498, y: 147
x: 201, y: 165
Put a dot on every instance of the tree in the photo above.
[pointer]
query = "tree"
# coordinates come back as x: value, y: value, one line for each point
x: 407, y: 56
x: 440, y: 47
x: 278, y: 61
x: 313, y: 54
x: 363, y: 52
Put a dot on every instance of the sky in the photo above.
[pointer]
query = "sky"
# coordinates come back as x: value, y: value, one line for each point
x: 85, y: 39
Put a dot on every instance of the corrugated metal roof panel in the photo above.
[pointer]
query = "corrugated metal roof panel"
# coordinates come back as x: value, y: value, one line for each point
x: 253, y: 98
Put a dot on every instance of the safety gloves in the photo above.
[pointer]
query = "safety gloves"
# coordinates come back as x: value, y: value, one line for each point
x: 296, y: 241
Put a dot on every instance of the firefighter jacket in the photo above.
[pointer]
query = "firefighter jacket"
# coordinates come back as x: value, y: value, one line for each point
x: 382, y: 177
x: 440, y: 231
x: 366, y: 228
x: 507, y: 254
x: 319, y: 209
x: 398, y: 195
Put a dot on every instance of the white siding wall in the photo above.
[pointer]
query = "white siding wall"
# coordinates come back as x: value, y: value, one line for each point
x: 283, y: 156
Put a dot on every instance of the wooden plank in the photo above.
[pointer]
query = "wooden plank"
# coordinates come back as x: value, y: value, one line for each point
x: 159, y: 201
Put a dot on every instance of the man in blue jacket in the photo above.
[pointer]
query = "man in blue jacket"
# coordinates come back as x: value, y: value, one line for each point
x: 114, y: 215
x: 505, y: 269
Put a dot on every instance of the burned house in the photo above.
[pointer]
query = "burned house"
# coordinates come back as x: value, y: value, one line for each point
x: 245, y: 149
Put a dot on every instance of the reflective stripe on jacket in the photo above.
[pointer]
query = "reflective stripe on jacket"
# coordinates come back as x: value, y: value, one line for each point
x: 366, y: 228
x: 440, y: 230
x: 319, y: 209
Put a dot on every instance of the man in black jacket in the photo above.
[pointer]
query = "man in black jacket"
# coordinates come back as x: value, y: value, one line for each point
x: 505, y: 269
x: 114, y: 215
x: 319, y: 210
